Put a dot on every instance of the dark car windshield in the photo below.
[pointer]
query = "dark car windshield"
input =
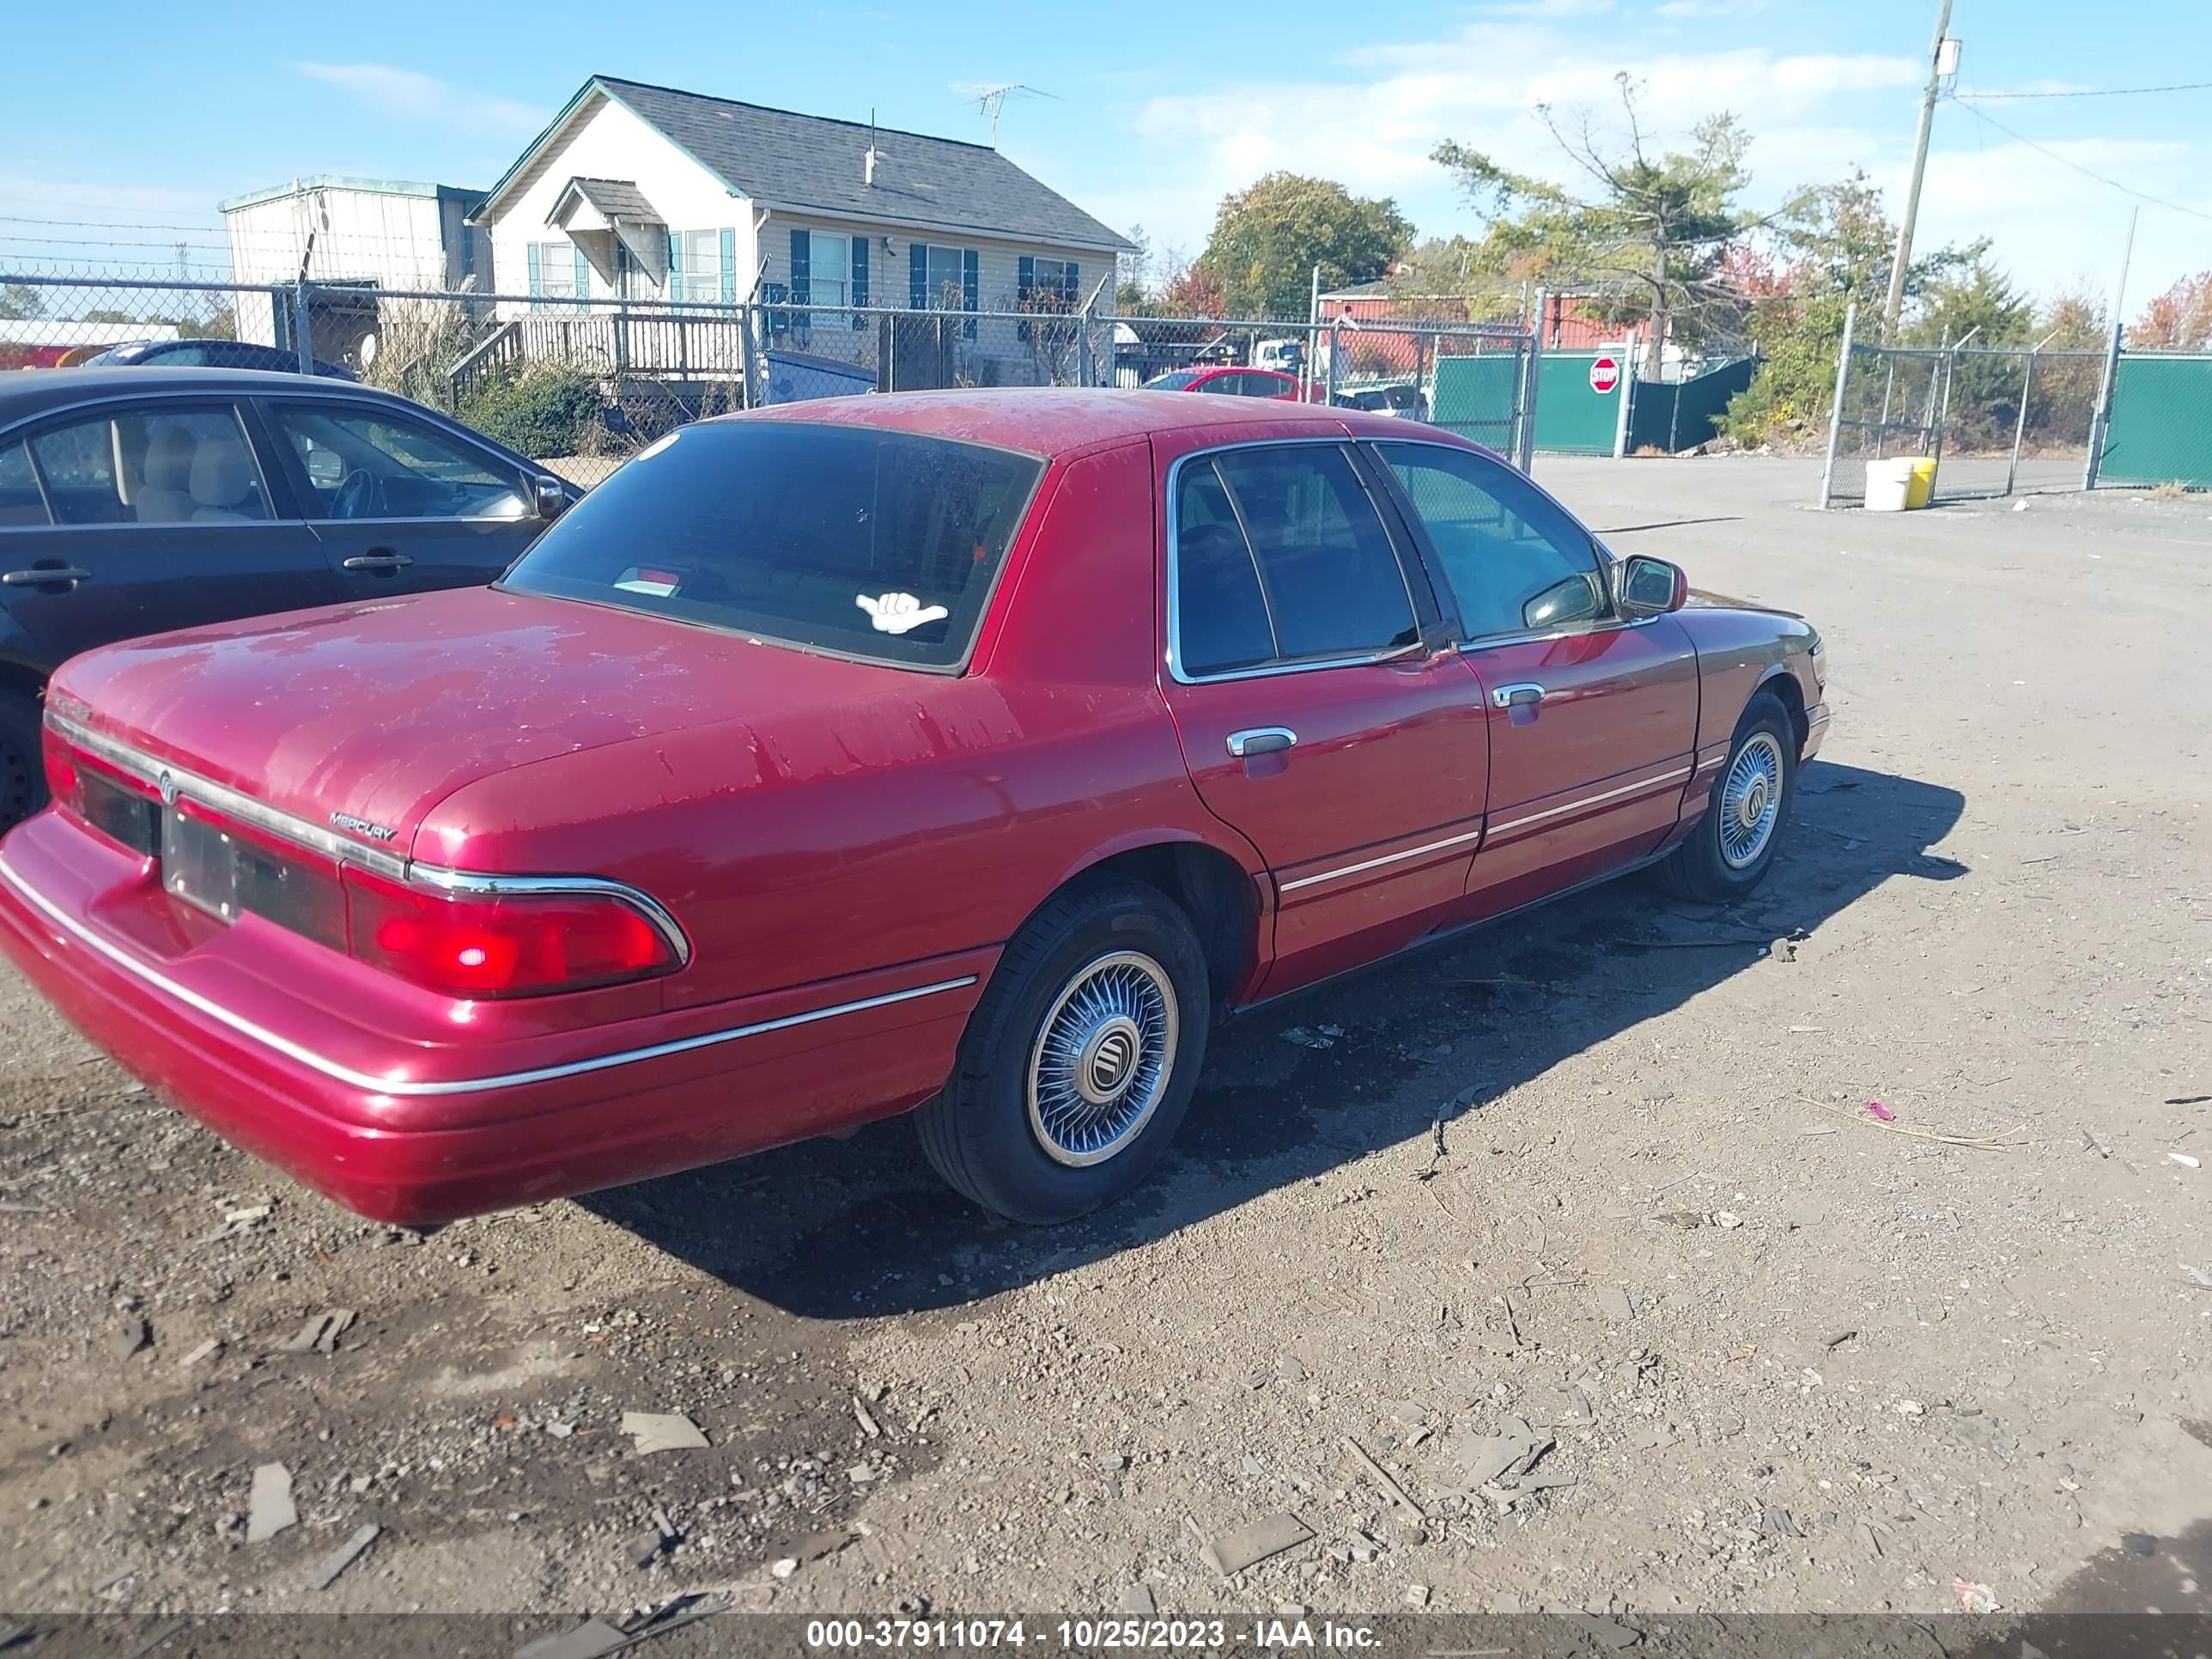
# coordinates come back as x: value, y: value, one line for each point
x: 867, y: 542
x: 1177, y: 381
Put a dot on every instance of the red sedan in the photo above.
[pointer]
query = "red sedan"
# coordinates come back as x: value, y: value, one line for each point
x: 970, y: 751
x: 1235, y: 383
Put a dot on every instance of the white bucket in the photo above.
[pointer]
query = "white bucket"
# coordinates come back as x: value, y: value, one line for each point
x: 1888, y: 484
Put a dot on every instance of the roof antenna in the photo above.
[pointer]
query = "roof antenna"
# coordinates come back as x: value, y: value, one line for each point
x: 990, y: 99
x: 868, y: 161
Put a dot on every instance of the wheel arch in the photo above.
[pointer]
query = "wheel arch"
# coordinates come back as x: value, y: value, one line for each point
x: 1225, y: 897
x: 1780, y: 684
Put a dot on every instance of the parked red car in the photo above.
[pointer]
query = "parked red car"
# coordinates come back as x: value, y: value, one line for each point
x: 971, y: 752
x: 1235, y: 383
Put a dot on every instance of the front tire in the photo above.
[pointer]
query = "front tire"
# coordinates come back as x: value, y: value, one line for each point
x: 1732, y: 846
x: 22, y: 771
x: 1079, y: 1063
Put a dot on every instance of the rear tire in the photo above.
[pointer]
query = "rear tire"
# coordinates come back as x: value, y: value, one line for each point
x: 22, y: 772
x: 1732, y: 846
x: 1080, y: 1061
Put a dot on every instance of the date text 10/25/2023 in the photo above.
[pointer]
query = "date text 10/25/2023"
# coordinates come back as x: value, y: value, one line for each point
x: 1085, y: 1635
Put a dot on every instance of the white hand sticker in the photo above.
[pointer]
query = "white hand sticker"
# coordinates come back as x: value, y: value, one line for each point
x: 896, y: 613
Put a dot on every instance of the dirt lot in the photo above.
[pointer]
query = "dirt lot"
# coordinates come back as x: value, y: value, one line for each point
x: 1790, y: 1358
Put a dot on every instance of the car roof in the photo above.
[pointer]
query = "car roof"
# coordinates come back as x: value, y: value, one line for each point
x: 34, y: 391
x: 1056, y: 420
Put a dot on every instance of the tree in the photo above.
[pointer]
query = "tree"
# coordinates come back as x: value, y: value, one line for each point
x: 1977, y: 299
x: 1268, y: 237
x: 1194, y: 291
x: 20, y: 302
x: 1133, y: 273
x: 2179, y: 320
x: 1830, y: 247
x: 1651, y: 229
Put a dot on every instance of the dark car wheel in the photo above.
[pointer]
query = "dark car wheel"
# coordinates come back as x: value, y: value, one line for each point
x: 22, y: 774
x: 1729, y: 853
x: 1080, y: 1061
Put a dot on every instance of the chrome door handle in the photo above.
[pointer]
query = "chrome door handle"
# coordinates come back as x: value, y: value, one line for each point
x: 1517, y: 697
x: 379, y: 562
x: 36, y: 578
x: 1261, y: 740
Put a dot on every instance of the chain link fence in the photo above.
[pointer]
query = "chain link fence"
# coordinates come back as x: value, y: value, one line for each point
x: 582, y: 384
x: 1994, y: 420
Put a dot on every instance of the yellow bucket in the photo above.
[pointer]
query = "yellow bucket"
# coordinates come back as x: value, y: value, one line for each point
x: 1922, y: 488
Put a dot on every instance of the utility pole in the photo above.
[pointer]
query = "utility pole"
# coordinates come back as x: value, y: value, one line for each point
x: 1896, y: 301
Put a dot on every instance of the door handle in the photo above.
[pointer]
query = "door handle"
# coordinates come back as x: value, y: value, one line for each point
x: 1517, y: 697
x: 38, y: 576
x: 1261, y: 740
x: 383, y: 560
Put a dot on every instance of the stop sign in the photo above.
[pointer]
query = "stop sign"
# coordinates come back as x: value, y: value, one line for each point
x: 1605, y: 375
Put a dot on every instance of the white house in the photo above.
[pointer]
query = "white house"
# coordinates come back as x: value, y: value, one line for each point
x: 644, y: 192
x: 368, y: 235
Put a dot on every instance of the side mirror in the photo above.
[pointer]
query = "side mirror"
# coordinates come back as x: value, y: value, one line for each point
x: 549, y: 495
x: 1649, y: 587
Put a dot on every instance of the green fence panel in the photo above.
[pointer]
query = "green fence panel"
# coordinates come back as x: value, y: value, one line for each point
x: 1474, y: 397
x: 1678, y: 415
x: 2160, y: 427
x: 1570, y: 418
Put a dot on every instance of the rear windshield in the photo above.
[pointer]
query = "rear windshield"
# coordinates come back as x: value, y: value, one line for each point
x: 1173, y: 382
x: 867, y: 542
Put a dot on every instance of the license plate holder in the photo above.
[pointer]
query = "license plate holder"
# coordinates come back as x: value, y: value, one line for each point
x: 198, y: 863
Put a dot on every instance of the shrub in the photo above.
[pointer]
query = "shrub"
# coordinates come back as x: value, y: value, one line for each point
x: 546, y: 411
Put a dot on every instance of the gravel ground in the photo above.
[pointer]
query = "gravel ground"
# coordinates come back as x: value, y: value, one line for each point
x: 1602, y: 1179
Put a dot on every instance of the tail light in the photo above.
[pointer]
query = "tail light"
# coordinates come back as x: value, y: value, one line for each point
x: 457, y: 944
x: 64, y: 785
x: 499, y: 945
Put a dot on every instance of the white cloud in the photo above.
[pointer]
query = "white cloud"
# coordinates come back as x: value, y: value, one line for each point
x: 1547, y: 8
x: 1711, y: 8
x: 409, y: 93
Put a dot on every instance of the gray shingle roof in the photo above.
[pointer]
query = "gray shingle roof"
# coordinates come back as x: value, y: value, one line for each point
x: 796, y: 160
x: 616, y: 198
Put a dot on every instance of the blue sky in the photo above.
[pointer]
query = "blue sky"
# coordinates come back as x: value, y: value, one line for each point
x: 1157, y: 109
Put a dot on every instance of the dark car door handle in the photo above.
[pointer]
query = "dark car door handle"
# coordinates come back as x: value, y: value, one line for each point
x: 39, y: 576
x: 1261, y: 740
x: 383, y: 560
x: 1516, y: 697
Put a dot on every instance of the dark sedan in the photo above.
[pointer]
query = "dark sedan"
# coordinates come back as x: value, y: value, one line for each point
x: 167, y: 498
x: 210, y: 354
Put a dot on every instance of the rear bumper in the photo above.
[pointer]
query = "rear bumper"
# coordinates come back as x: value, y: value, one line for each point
x: 651, y: 1096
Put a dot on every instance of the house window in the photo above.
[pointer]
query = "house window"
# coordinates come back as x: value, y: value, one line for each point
x: 1049, y: 285
x: 696, y: 276
x: 555, y: 263
x: 829, y: 270
x: 941, y: 281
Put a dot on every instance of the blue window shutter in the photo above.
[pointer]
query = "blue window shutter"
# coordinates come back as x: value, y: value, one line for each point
x: 674, y: 265
x: 536, y: 277
x: 802, y: 254
x: 1071, y: 286
x: 971, y: 282
x: 917, y: 275
x: 860, y: 279
x: 583, y: 275
x: 729, y: 255
x: 1024, y: 288
x: 802, y: 283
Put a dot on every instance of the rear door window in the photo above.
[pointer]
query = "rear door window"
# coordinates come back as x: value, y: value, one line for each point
x: 189, y: 465
x: 20, y: 504
x: 867, y: 542
x: 1324, y: 582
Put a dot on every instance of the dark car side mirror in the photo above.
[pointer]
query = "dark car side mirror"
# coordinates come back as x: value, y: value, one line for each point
x: 549, y: 495
x: 1650, y: 587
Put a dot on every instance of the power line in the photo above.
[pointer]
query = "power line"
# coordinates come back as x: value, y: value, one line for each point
x: 2091, y: 92
x: 2113, y: 184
